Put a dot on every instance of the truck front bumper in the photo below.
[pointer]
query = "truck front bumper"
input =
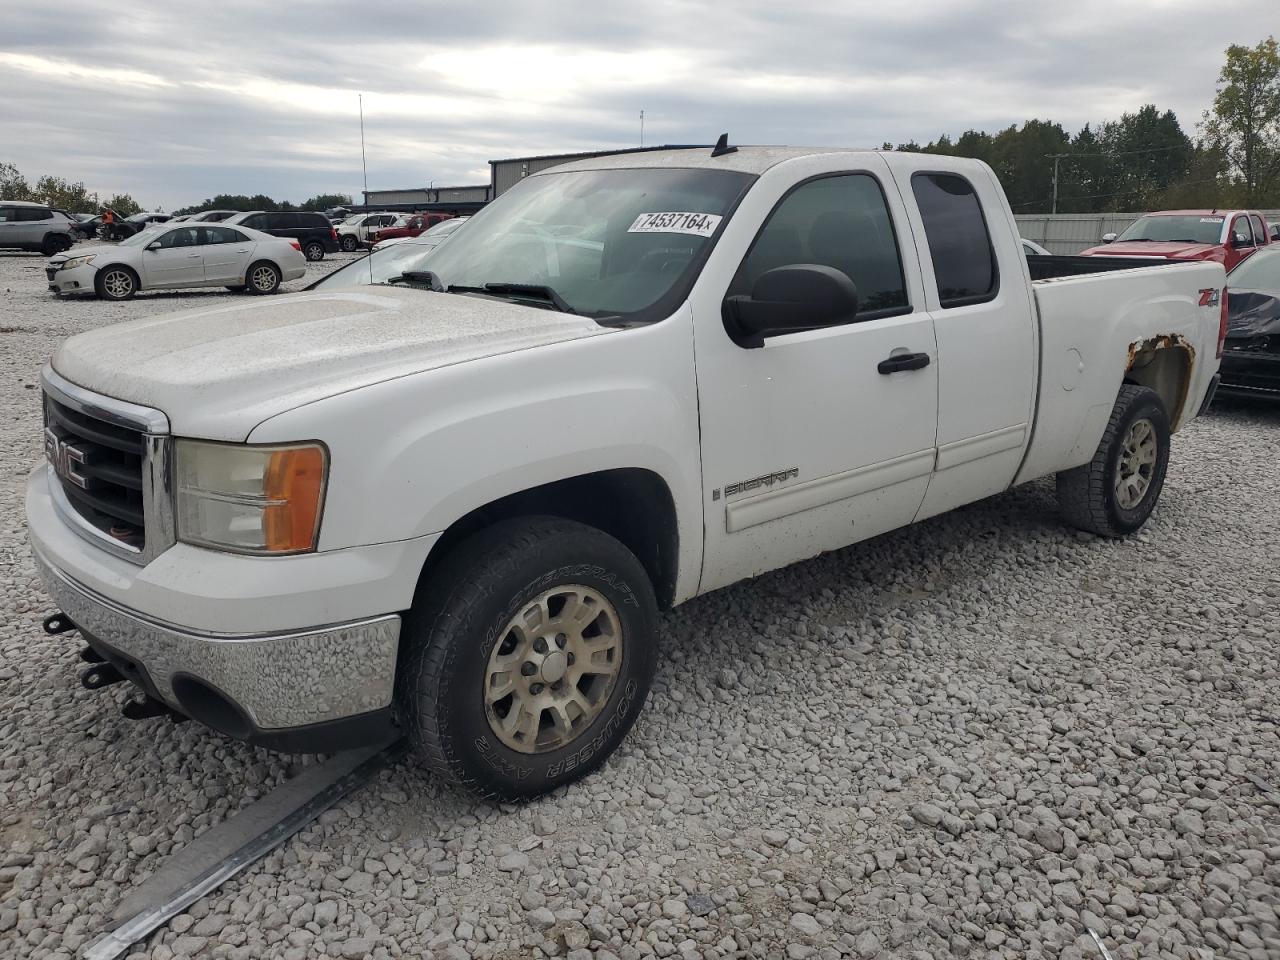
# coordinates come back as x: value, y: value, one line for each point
x: 228, y: 640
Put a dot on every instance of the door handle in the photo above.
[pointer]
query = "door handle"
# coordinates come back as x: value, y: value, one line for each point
x: 193, y: 256
x: 903, y: 361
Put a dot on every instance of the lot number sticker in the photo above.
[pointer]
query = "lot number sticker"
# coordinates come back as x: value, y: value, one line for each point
x: 696, y: 224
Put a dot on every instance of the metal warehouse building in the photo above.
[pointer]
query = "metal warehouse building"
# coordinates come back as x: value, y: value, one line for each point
x: 454, y: 199
x: 505, y: 174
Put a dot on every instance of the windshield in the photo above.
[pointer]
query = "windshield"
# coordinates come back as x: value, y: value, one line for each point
x: 446, y: 227
x: 1260, y: 272
x: 354, y: 219
x: 609, y: 243
x: 1181, y: 229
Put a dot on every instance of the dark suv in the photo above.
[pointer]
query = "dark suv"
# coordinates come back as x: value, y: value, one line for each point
x: 313, y: 231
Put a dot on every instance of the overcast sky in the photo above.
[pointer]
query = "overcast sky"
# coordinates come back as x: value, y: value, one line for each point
x: 177, y: 101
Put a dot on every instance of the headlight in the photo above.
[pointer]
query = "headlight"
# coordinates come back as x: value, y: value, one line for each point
x: 76, y: 261
x: 250, y: 499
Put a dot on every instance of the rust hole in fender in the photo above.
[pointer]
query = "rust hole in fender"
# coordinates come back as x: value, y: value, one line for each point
x: 1145, y: 366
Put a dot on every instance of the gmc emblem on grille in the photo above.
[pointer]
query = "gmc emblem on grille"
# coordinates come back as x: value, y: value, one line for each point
x: 65, y: 457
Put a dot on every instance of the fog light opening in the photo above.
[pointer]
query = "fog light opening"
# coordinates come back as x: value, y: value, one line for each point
x: 211, y: 707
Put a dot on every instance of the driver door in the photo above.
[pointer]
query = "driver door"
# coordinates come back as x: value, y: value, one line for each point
x: 811, y: 441
x: 176, y: 259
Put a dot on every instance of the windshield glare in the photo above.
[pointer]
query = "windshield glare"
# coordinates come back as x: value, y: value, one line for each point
x: 383, y: 265
x: 141, y: 238
x: 608, y: 242
x: 1260, y: 272
x: 1186, y: 229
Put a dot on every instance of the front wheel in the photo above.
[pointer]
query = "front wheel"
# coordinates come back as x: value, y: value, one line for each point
x: 115, y: 283
x: 349, y: 243
x: 313, y: 251
x: 529, y: 658
x: 1114, y: 493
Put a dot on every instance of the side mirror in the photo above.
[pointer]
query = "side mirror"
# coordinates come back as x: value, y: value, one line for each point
x: 153, y: 245
x: 1240, y: 240
x: 799, y: 296
x: 1109, y: 238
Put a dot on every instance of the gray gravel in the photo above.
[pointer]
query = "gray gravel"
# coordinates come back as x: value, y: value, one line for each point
x: 986, y: 735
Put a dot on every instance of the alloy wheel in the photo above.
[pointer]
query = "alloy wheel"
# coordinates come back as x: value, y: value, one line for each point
x: 1138, y: 453
x: 553, y: 669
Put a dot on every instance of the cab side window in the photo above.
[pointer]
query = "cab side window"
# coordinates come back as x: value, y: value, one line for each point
x: 964, y: 262
x: 842, y: 222
x: 34, y: 214
x: 256, y: 222
x: 1259, y: 229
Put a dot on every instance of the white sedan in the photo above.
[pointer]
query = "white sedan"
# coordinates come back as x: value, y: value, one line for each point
x: 171, y: 256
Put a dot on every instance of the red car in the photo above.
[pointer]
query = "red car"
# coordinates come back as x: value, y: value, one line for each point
x: 415, y: 225
x: 1227, y: 236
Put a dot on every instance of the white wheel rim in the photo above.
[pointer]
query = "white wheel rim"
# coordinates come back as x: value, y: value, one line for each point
x: 1138, y: 453
x: 264, y: 278
x: 553, y: 669
x: 118, y: 283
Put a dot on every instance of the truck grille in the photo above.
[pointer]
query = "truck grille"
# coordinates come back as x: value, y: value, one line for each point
x: 100, y: 467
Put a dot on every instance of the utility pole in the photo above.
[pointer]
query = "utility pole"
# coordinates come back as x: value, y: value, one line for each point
x: 642, y: 128
x: 363, y: 164
x: 1056, y: 158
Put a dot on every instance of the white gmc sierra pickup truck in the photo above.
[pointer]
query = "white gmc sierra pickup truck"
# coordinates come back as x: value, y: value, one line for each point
x: 453, y: 502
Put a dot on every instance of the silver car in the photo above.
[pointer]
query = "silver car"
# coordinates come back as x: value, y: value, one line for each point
x: 169, y: 256
x: 34, y: 226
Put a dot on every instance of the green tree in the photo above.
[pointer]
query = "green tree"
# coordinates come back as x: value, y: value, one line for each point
x: 63, y: 194
x: 123, y: 204
x: 1245, y: 121
x: 324, y: 201
x: 13, y: 185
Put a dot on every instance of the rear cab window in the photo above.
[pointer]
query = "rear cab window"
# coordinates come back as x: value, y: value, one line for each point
x: 964, y: 260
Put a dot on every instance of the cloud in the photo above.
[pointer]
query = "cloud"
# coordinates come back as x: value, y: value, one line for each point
x: 177, y: 102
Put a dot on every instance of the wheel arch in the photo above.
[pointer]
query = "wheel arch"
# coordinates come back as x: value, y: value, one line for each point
x: 1163, y: 364
x: 633, y: 505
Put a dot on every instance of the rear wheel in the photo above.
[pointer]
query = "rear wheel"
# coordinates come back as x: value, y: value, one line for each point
x: 55, y: 243
x: 263, y: 277
x: 313, y: 250
x: 349, y: 243
x: 1114, y: 493
x: 528, y: 657
x: 115, y: 283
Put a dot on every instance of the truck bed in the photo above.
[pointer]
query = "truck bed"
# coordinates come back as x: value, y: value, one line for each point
x: 1055, y: 267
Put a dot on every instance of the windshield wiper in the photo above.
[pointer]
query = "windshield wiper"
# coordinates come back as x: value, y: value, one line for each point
x: 424, y: 277
x: 519, y: 291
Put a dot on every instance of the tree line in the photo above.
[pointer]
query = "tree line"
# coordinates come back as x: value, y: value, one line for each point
x: 260, y: 201
x: 1145, y: 160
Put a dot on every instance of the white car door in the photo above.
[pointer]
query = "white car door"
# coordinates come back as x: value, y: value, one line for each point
x: 226, y: 254
x: 820, y: 437
x: 978, y: 289
x: 173, y: 258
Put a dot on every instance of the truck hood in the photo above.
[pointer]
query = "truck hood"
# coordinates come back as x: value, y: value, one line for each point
x: 1169, y: 251
x: 219, y: 372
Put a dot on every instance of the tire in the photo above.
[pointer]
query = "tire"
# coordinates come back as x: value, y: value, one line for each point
x: 349, y: 243
x: 115, y: 283
x: 262, y: 278
x: 463, y: 622
x: 55, y: 243
x: 313, y: 250
x: 1114, y: 493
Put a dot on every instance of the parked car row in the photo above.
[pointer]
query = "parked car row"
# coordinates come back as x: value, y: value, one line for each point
x: 177, y: 255
x: 1228, y: 237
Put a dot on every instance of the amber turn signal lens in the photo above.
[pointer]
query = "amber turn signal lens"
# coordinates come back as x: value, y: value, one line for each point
x: 293, y: 488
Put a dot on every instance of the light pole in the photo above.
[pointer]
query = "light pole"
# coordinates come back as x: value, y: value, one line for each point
x: 1056, y: 158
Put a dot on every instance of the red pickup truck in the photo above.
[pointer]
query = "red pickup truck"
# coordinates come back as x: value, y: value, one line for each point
x: 1226, y: 236
x: 412, y: 227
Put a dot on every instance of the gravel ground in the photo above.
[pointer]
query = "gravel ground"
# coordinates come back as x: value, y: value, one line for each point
x: 985, y: 735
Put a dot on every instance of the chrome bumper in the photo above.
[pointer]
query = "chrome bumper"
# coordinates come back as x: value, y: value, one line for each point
x: 281, y: 681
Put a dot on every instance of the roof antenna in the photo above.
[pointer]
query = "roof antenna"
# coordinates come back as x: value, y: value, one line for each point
x: 722, y: 146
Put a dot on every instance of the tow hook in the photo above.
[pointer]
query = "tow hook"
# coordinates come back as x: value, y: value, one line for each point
x: 57, y: 623
x: 149, y: 707
x: 99, y: 675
